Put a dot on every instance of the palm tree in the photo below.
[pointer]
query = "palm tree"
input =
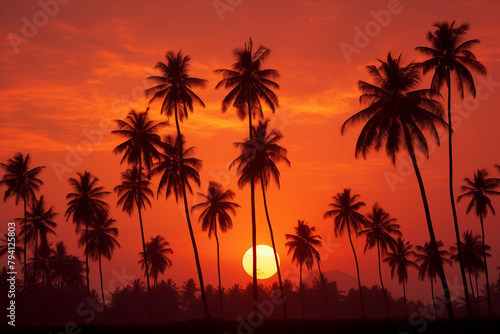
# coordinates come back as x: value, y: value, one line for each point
x: 58, y: 262
x: 346, y: 217
x: 21, y: 182
x: 216, y: 206
x: 478, y: 190
x: 399, y: 262
x: 249, y: 83
x: 133, y: 192
x: 156, y: 257
x: 428, y: 264
x: 257, y: 162
x: 83, y: 206
x: 174, y: 89
x: 472, y: 257
x: 5, y: 249
x: 39, y: 223
x: 303, y: 244
x: 99, y: 240
x: 378, y: 229
x: 323, y: 282
x: 449, y: 55
x: 396, y: 116
x: 188, y: 293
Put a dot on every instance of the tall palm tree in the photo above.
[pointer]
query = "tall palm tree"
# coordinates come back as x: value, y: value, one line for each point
x: 174, y: 89
x: 398, y: 260
x: 22, y: 182
x: 257, y: 162
x: 303, y: 244
x: 378, y: 228
x: 472, y: 257
x: 346, y: 217
x: 5, y: 249
x: 249, y: 84
x: 323, y: 282
x: 478, y: 189
x: 451, y: 56
x: 134, y: 192
x: 83, y: 206
x: 58, y: 262
x: 99, y: 240
x: 156, y: 257
x: 428, y: 264
x: 216, y: 205
x: 397, y: 115
x: 39, y: 223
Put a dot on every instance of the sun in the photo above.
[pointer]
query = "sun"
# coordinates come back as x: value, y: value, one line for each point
x: 266, y: 264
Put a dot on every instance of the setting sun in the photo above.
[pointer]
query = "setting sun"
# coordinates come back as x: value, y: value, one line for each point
x: 266, y: 265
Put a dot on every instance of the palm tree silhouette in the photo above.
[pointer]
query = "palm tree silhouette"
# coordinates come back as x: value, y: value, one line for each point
x: 5, y: 249
x: 303, y: 244
x: 175, y: 90
x: 140, y: 147
x: 156, y: 257
x: 39, y: 223
x: 449, y: 55
x: 249, y: 83
x: 397, y: 115
x: 378, y: 228
x: 65, y: 270
x: 99, y: 240
x: 428, y: 264
x: 478, y: 190
x: 22, y: 183
x: 216, y: 206
x: 84, y: 205
x: 188, y: 293
x: 472, y: 257
x: 346, y: 217
x: 399, y: 262
x: 257, y: 162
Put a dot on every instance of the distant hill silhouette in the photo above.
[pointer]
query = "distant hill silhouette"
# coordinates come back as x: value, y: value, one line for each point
x: 344, y: 281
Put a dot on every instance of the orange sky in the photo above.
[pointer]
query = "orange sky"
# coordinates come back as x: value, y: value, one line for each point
x: 86, y: 65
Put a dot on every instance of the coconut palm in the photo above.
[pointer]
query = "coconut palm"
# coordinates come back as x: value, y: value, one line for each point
x: 398, y: 260
x: 99, y: 240
x: 249, y: 84
x: 21, y: 182
x: 39, y: 223
x: 188, y: 293
x: 65, y: 270
x: 5, y: 249
x: 396, y: 117
x: 478, y: 189
x: 378, y: 228
x: 323, y: 282
x: 428, y: 263
x: 216, y: 205
x: 156, y: 257
x: 174, y: 89
x: 83, y: 206
x: 302, y: 244
x: 450, y: 57
x: 257, y: 162
x: 346, y: 217
x: 472, y: 257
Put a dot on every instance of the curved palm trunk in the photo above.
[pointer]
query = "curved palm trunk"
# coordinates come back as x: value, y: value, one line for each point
x: 218, y: 272
x: 433, y: 298
x: 434, y: 246
x: 283, y: 297
x: 254, y: 223
x: 188, y: 220
x: 324, y: 289
x: 357, y: 272
x: 102, y: 291
x: 381, y: 282
x: 404, y: 298
x: 144, y: 244
x: 486, y: 268
x: 301, y: 292
x: 454, y: 210
x: 473, y: 295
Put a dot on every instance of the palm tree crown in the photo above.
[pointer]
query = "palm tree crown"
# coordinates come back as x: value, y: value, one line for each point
x: 133, y: 191
x: 157, y: 252
x: 428, y: 261
x: 478, y: 190
x: 302, y: 244
x: 21, y: 181
x: 399, y: 259
x: 345, y: 212
x: 378, y: 227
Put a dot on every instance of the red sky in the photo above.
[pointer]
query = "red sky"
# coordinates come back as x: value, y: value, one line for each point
x: 86, y: 65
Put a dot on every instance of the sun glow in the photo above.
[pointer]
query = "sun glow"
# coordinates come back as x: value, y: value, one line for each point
x: 266, y: 264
